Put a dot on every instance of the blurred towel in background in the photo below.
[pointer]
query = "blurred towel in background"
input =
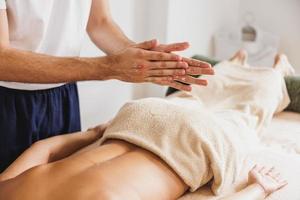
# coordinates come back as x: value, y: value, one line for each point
x: 262, y: 49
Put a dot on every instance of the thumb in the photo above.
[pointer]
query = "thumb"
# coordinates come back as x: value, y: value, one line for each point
x: 148, y: 45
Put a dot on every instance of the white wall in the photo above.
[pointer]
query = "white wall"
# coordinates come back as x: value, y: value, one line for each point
x: 281, y: 17
x: 197, y: 21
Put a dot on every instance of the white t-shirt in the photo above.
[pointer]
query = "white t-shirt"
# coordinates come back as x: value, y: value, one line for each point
x: 52, y: 27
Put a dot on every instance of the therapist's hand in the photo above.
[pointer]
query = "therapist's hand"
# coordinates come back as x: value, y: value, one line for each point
x: 151, y: 62
x: 196, y: 67
x: 138, y: 63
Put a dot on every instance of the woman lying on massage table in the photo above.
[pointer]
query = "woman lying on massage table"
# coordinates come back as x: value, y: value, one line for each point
x: 146, y: 166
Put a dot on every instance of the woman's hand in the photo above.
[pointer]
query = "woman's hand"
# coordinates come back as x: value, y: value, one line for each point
x: 98, y: 131
x: 150, y: 62
x: 268, y: 178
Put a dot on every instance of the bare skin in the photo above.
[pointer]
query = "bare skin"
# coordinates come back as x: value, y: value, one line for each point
x: 262, y: 181
x: 126, y: 61
x: 240, y: 57
x: 283, y: 65
x: 75, y: 167
x: 115, y: 163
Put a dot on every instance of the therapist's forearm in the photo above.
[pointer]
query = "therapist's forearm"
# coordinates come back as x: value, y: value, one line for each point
x: 28, y: 67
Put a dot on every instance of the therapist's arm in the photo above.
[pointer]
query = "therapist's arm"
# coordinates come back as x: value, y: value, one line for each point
x: 108, y: 36
x: 23, y: 66
x: 137, y: 64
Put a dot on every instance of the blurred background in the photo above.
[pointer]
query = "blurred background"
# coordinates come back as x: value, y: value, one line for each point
x: 214, y: 28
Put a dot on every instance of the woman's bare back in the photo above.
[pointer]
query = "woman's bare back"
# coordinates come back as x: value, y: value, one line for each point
x: 92, y: 174
x: 65, y: 179
x: 69, y: 178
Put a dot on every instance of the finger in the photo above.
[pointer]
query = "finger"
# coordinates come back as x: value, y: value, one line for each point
x: 159, y: 79
x: 167, y: 65
x: 263, y: 170
x: 271, y: 170
x: 177, y: 85
x: 180, y: 86
x: 280, y: 180
x: 277, y: 175
x: 160, y: 56
x: 283, y: 184
x: 258, y: 168
x: 147, y: 45
x: 266, y: 171
x: 172, y: 47
x: 255, y: 167
x: 200, y: 71
x: 196, y: 63
x: 166, y: 72
x: 191, y: 80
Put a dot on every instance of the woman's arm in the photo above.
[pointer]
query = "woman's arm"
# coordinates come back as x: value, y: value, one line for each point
x: 262, y: 182
x: 252, y: 192
x: 51, y: 150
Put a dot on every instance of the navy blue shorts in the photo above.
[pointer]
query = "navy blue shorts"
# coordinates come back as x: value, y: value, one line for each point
x: 29, y: 116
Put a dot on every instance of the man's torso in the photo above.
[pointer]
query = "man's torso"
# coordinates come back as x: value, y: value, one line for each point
x: 51, y: 27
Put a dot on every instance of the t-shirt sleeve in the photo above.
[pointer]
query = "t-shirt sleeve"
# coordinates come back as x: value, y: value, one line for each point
x: 2, y: 4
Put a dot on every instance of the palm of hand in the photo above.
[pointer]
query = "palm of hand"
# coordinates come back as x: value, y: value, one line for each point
x: 153, y: 62
x: 268, y: 178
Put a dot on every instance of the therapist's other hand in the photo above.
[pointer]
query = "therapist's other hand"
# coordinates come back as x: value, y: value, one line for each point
x: 195, y: 68
x: 138, y: 63
x: 151, y: 62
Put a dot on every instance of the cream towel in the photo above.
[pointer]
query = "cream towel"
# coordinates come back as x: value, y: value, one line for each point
x: 208, y: 133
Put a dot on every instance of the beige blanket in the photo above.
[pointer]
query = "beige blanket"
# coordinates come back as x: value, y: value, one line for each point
x: 287, y: 164
x: 280, y: 148
x: 208, y: 134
